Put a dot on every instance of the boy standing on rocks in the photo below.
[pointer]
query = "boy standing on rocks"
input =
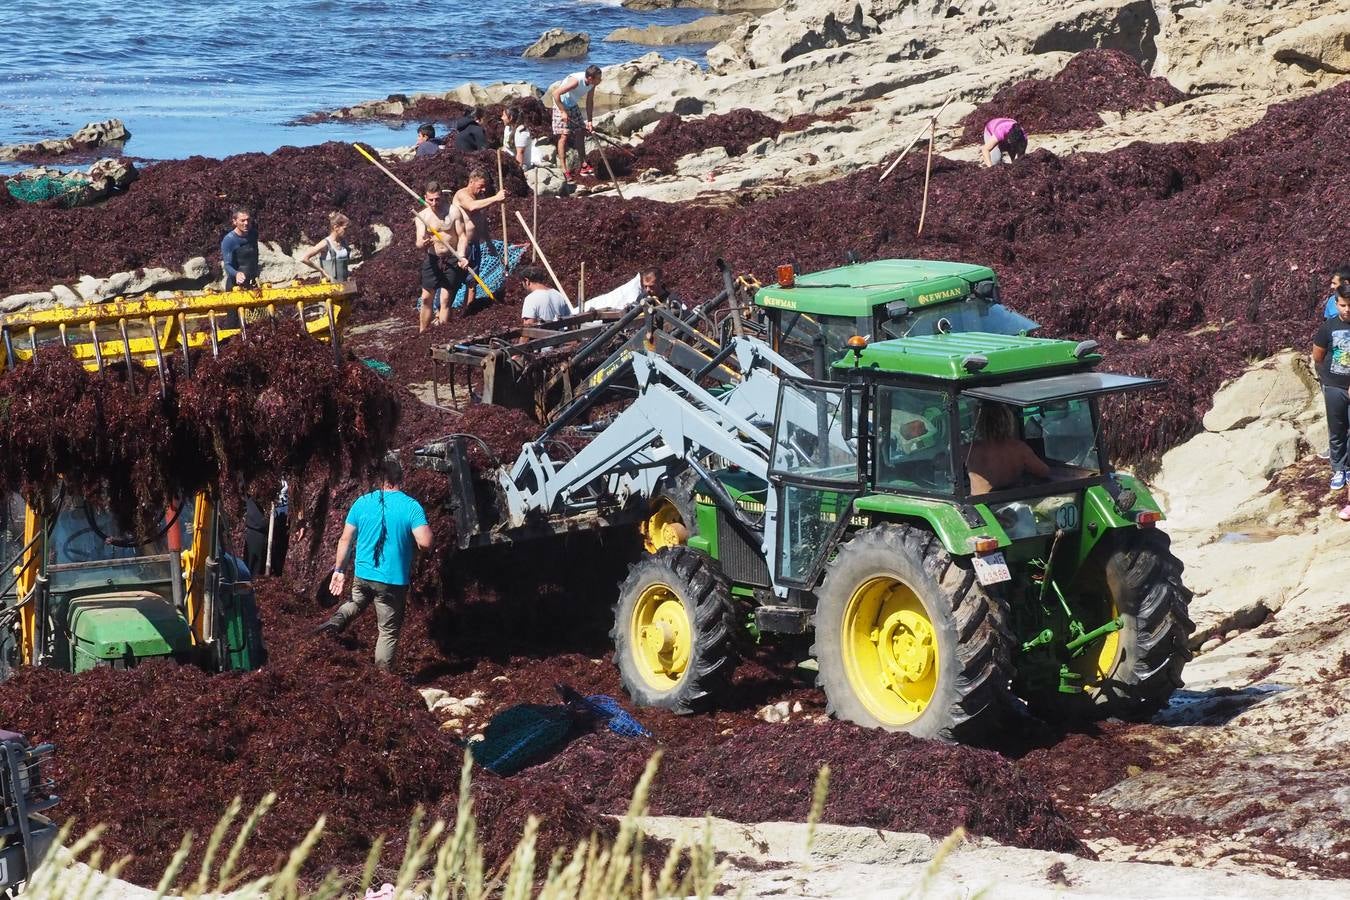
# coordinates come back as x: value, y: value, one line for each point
x: 1331, y: 359
x: 567, y: 121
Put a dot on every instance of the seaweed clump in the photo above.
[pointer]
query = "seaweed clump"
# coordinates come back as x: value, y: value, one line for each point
x: 1092, y: 81
x: 272, y: 405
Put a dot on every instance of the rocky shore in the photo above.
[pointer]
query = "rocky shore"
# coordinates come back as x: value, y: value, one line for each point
x: 1173, y: 208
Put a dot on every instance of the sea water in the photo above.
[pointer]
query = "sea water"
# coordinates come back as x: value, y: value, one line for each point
x: 190, y: 77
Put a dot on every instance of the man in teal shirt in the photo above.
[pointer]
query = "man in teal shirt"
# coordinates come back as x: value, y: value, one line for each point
x: 387, y: 525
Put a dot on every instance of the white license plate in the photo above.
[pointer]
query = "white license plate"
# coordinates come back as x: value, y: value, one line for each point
x: 991, y: 568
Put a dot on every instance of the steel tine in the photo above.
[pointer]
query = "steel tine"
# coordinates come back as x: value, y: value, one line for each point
x: 10, y: 361
x: 215, y: 336
x: 159, y: 357
x: 98, y: 348
x: 333, y: 332
x: 183, y: 339
x: 126, y: 348
x: 243, y: 326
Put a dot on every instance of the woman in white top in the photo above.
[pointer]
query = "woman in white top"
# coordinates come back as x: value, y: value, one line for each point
x: 332, y: 251
x: 517, y: 136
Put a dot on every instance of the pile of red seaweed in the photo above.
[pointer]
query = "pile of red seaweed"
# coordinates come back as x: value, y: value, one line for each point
x: 1092, y: 81
x: 272, y: 405
x: 675, y: 137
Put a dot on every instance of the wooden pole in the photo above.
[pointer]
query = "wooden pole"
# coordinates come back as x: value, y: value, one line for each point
x: 501, y: 186
x: 534, y: 216
x: 918, y: 137
x: 605, y: 159
x: 542, y: 258
x: 927, y: 171
x: 271, y: 532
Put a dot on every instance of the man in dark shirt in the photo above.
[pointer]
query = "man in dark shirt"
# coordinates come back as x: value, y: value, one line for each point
x: 469, y: 135
x: 1331, y: 359
x: 239, y: 251
x: 426, y: 141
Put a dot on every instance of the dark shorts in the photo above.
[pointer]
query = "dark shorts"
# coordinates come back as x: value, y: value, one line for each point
x: 441, y: 273
x: 475, y: 255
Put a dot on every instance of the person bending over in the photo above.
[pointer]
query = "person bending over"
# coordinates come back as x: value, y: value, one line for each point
x: 1004, y: 141
x: 542, y: 303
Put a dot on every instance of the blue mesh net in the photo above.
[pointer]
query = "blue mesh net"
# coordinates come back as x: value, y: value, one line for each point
x: 619, y: 720
x: 490, y: 270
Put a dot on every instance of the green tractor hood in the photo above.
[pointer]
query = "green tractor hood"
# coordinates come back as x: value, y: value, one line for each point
x: 857, y: 289
x: 125, y: 627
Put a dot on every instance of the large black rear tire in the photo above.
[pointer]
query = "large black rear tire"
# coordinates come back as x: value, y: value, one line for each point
x: 1132, y: 673
x: 673, y: 629
x: 908, y: 640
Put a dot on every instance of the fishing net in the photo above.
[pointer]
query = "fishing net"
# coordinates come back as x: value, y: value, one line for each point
x: 520, y: 735
x: 490, y: 270
x: 67, y: 189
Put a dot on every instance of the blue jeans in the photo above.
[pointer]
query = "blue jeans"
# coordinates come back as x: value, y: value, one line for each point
x: 1338, y: 424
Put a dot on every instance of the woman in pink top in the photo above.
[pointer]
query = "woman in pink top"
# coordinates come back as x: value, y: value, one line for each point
x: 1004, y: 140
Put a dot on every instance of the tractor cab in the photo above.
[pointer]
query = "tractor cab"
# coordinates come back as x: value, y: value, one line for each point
x: 88, y: 593
x: 1004, y: 422
x: 811, y: 317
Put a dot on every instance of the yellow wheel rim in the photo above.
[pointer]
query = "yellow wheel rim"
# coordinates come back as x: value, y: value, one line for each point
x: 1097, y: 667
x: 890, y: 650
x: 661, y: 635
x: 663, y: 528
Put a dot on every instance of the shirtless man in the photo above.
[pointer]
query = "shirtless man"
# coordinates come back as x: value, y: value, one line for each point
x: 998, y: 458
x: 444, y: 231
x: 469, y: 199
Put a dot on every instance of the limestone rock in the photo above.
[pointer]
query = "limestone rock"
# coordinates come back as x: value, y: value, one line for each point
x: 433, y: 696
x: 16, y: 302
x: 1321, y: 44
x: 559, y: 44
x: 794, y: 30
x: 706, y: 30
x: 1281, y: 388
x: 473, y: 94
x: 65, y: 296
x: 643, y: 78
x: 196, y: 268
x: 384, y: 236
x: 89, y: 137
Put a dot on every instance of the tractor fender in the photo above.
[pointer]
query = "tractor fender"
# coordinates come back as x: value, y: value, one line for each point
x: 956, y: 527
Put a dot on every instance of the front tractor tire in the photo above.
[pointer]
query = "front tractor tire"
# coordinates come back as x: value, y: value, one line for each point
x: 1131, y: 673
x: 908, y: 640
x: 673, y: 627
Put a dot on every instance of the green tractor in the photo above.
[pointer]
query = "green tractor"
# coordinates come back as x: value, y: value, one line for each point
x: 942, y: 514
x: 811, y: 317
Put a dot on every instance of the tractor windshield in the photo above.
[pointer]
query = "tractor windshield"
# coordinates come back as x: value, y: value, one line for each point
x: 973, y: 314
x: 912, y: 434
x: 89, y: 549
x: 816, y: 342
